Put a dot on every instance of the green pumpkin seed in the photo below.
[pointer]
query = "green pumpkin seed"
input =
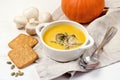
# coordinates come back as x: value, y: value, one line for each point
x: 9, y: 62
x: 20, y: 73
x: 13, y: 73
x: 16, y: 74
x: 13, y: 66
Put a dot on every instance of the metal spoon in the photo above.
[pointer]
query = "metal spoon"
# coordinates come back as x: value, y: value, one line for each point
x: 90, y: 62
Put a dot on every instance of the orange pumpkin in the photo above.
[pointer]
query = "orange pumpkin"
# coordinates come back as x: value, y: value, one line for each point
x: 82, y: 11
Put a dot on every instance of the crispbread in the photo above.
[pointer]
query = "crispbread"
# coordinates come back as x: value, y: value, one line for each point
x: 21, y: 40
x: 23, y: 56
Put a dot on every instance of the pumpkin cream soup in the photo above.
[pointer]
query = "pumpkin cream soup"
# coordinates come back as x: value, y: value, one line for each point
x: 64, y: 36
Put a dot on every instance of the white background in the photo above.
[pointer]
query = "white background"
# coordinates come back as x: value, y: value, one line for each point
x: 11, y: 8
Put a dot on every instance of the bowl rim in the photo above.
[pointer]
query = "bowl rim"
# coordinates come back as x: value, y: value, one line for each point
x: 64, y: 21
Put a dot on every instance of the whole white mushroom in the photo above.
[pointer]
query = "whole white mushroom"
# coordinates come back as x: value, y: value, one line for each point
x: 20, y: 21
x: 31, y: 26
x: 45, y: 17
x: 31, y: 13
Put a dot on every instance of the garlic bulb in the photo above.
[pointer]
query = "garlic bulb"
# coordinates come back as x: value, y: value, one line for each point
x: 45, y: 17
x: 20, y: 21
x: 31, y: 13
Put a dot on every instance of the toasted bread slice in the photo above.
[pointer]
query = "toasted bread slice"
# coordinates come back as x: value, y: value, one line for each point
x: 22, y: 40
x: 23, y: 56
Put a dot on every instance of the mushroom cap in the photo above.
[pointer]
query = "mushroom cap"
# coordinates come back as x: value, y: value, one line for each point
x: 31, y: 13
x: 30, y: 29
x: 20, y: 20
x: 45, y: 17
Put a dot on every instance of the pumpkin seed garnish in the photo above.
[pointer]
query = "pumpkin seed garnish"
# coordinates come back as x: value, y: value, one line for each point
x: 9, y: 62
x: 13, y: 66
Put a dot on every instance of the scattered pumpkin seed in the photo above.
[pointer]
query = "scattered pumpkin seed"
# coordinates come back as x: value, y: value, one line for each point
x: 16, y: 74
x: 13, y: 66
x: 20, y: 73
x: 13, y: 73
x: 9, y: 62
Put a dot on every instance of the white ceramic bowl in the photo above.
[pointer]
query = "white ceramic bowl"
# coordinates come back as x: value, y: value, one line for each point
x: 63, y: 55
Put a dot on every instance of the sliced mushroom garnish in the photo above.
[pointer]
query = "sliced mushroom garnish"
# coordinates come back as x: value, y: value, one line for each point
x: 72, y: 40
x: 60, y: 37
x: 66, y: 40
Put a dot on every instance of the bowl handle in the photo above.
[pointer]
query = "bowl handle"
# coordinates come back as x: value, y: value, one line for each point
x: 89, y: 43
x: 40, y: 27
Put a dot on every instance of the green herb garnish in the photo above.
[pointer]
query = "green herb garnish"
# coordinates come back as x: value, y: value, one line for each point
x: 66, y: 40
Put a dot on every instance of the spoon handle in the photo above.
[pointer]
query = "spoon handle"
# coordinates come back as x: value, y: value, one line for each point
x: 111, y: 31
x: 110, y: 7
